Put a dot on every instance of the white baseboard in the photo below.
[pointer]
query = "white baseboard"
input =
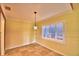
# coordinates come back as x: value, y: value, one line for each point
x: 50, y: 49
x: 19, y: 45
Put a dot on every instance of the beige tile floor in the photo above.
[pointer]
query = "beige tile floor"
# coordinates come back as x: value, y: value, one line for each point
x: 31, y: 50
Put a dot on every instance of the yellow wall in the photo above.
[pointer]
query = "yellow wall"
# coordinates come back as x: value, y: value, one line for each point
x: 71, y: 32
x: 17, y: 33
x: 76, y: 9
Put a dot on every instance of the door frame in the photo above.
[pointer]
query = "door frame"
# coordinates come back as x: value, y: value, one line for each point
x: 3, y: 27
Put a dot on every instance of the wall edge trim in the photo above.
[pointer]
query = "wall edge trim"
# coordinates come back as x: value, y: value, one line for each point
x: 51, y: 49
x: 19, y: 46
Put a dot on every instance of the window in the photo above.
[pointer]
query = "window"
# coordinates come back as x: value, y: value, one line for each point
x: 53, y: 32
x: 59, y: 31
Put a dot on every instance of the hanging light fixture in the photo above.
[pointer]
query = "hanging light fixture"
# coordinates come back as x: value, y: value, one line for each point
x: 35, y: 25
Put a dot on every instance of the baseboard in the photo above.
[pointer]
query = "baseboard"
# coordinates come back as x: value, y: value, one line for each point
x: 19, y: 45
x: 51, y: 49
x: 37, y: 43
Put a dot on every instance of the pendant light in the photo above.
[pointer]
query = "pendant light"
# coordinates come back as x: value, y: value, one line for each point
x: 35, y: 25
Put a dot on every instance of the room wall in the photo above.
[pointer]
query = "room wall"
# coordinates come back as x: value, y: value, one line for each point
x: 17, y: 33
x: 76, y: 9
x: 71, y: 30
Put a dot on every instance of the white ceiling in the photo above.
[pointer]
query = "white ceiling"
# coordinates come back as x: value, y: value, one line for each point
x: 44, y: 10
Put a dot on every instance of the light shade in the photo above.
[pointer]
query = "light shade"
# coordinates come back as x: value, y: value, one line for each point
x: 35, y: 27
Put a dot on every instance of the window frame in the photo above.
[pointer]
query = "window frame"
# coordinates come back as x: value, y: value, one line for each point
x: 54, y: 39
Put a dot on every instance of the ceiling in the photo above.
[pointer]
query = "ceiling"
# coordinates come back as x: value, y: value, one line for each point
x: 25, y: 11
